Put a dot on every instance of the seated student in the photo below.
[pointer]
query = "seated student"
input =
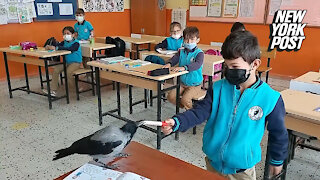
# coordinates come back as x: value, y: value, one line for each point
x: 84, y: 30
x: 73, y: 60
x: 175, y: 41
x: 237, y: 109
x: 237, y: 26
x: 189, y: 59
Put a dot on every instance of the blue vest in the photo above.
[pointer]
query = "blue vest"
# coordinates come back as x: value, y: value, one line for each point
x: 174, y: 44
x: 232, y: 135
x: 83, y: 30
x: 193, y: 78
x: 75, y: 56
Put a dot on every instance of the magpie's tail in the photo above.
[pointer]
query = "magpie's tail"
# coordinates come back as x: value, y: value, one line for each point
x: 62, y: 153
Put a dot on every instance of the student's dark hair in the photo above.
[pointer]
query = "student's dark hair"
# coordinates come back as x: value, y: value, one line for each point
x: 79, y: 11
x: 191, y: 32
x: 174, y: 24
x: 241, y: 44
x: 69, y: 28
x: 238, y: 26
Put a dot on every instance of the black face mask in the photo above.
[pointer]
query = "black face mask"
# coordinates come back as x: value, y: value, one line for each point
x: 236, y: 76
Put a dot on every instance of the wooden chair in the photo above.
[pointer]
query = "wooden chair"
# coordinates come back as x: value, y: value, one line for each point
x: 268, y: 55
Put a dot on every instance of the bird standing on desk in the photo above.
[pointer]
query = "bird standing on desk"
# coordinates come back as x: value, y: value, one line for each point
x: 103, y: 145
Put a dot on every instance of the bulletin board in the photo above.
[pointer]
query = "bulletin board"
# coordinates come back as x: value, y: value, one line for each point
x: 53, y: 10
x: 312, y: 17
x: 246, y: 11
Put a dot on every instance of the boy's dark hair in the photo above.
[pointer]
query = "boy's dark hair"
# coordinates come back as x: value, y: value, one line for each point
x: 174, y: 24
x: 69, y: 28
x: 238, y: 26
x: 191, y: 32
x: 241, y: 44
x: 79, y: 11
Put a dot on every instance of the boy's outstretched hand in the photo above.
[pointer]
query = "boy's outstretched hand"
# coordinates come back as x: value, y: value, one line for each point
x: 168, y: 129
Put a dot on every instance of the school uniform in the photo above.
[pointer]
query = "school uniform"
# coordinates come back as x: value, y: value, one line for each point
x: 170, y: 44
x: 83, y: 29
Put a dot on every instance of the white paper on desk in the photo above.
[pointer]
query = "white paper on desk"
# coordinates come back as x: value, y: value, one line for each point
x: 65, y: 9
x: 54, y: 0
x: 45, y: 9
x: 274, y: 6
x: 3, y: 14
x: 166, y: 52
x: 246, y: 8
x: 84, y: 42
x: 214, y: 8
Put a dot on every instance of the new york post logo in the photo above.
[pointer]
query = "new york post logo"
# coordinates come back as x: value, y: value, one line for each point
x: 286, y: 30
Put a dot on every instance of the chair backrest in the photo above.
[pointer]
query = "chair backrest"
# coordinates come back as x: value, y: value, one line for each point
x: 268, y: 54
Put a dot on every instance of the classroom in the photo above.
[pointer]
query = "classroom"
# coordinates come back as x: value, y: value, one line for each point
x: 159, y: 89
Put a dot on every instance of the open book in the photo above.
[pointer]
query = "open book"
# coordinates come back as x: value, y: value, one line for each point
x: 93, y: 172
x: 166, y: 52
x: 113, y: 60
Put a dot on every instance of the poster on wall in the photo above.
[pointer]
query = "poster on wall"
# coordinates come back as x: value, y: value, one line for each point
x: 103, y: 5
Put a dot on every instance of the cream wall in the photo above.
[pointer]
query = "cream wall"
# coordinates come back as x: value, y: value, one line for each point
x: 174, y: 4
x: 126, y: 4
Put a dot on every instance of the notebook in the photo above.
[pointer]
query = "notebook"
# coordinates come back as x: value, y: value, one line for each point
x: 166, y: 52
x: 93, y: 172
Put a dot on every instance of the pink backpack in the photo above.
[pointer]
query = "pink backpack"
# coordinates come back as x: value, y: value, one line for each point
x: 217, y: 67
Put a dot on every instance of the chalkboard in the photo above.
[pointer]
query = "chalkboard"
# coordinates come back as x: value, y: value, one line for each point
x: 55, y: 10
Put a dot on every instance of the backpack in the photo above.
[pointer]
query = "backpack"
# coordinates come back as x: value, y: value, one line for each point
x: 51, y: 41
x: 120, y: 48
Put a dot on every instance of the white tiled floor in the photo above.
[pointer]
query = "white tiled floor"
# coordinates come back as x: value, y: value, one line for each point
x: 30, y: 133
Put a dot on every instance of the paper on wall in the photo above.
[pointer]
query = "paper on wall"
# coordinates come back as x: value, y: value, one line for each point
x: 65, y: 9
x: 24, y: 15
x: 3, y: 2
x: 3, y: 14
x: 44, y: 9
x: 246, y: 8
x: 180, y: 16
x: 214, y: 8
x: 54, y: 0
x: 274, y: 6
x: 12, y: 11
x: 230, y: 8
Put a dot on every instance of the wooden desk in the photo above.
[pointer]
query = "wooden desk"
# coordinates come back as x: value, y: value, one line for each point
x: 156, y: 165
x: 156, y: 39
x: 307, y: 82
x: 206, y: 47
x: 136, y: 77
x: 300, y: 118
x: 209, y: 62
x: 40, y: 58
x: 89, y: 50
x: 129, y: 42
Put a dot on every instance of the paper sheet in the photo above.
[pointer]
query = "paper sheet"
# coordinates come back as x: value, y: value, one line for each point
x: 230, y: 8
x: 3, y: 14
x: 3, y: 2
x: 24, y: 14
x: 179, y: 15
x: 45, y: 9
x: 198, y: 11
x: 274, y: 6
x: 12, y: 11
x: 65, y: 9
x: 246, y: 8
x: 214, y: 8
x: 286, y: 3
x: 54, y: 0
x: 103, y: 6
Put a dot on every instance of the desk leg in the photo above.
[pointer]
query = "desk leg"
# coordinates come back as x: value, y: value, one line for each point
x: 26, y: 76
x: 145, y: 98
x: 7, y: 71
x: 48, y: 83
x: 92, y: 81
x: 159, y: 115
x: 149, y: 46
x: 151, y: 98
x: 40, y: 76
x: 118, y: 99
x: 66, y: 78
x: 137, y: 53
x: 176, y: 136
x: 97, y: 71
x: 130, y: 99
x: 210, y: 82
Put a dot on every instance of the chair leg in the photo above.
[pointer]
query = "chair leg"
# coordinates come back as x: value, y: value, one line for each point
x: 92, y: 84
x: 61, y: 78
x: 194, y: 130
x: 76, y: 78
x: 267, y: 77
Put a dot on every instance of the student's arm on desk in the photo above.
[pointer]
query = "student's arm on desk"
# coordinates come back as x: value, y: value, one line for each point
x: 173, y: 61
x: 198, y: 62
x: 72, y: 48
x: 192, y: 117
x: 278, y: 136
x: 163, y: 45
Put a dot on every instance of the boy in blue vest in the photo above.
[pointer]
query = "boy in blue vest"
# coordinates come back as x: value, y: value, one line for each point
x: 175, y: 41
x: 73, y: 60
x: 238, y: 108
x: 189, y: 59
x: 84, y: 31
